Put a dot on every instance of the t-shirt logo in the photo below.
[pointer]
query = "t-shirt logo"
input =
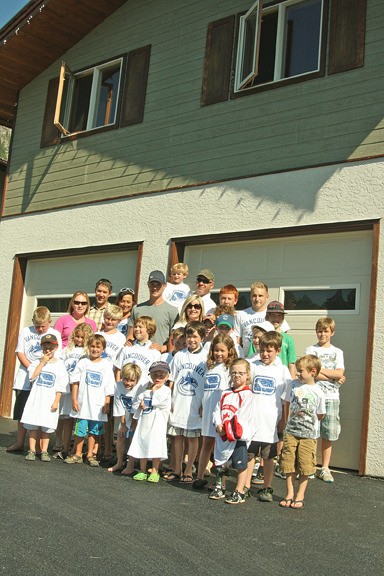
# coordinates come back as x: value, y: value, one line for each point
x: 46, y: 379
x: 264, y: 385
x: 187, y: 386
x: 148, y: 405
x: 70, y: 366
x: 177, y: 295
x: 93, y: 378
x: 212, y: 382
x: 34, y: 353
x: 126, y: 401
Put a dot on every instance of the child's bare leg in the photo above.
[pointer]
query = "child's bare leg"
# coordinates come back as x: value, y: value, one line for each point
x: 44, y: 442
x: 155, y: 465
x: 193, y: 446
x: 32, y: 440
x: 171, y: 461
x: 268, y: 472
x: 241, y: 479
x: 326, y: 452
x: 67, y: 434
x: 120, y: 445
x: 143, y: 465
x: 250, y: 467
x: 290, y: 485
x: 59, y: 436
x: 299, y: 499
x: 130, y: 466
x: 205, y: 454
x: 78, y: 445
x: 179, y: 450
x: 20, y: 438
x: 108, y: 437
x: 92, y: 446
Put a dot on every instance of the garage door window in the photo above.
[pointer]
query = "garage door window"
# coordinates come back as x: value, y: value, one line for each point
x: 328, y: 299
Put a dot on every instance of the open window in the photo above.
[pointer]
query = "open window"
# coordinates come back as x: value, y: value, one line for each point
x: 87, y: 100
x: 278, y: 42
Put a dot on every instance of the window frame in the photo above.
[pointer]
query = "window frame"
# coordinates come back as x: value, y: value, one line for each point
x: 95, y: 71
x: 281, y: 6
x: 256, y: 8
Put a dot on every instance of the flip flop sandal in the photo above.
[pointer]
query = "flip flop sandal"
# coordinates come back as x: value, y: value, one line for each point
x: 186, y: 479
x: 297, y: 502
x: 288, y: 502
x: 172, y: 477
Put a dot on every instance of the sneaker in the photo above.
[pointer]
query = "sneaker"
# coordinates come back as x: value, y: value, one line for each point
x: 247, y: 492
x: 74, y: 459
x: 45, y: 457
x: 265, y: 494
x: 311, y: 477
x: 235, y: 498
x: 217, y: 493
x: 279, y: 473
x: 259, y: 478
x: 30, y: 456
x: 326, y: 476
x: 140, y: 476
x: 93, y: 462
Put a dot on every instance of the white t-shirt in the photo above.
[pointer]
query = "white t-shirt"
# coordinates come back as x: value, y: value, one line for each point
x: 70, y: 356
x: 29, y: 345
x: 141, y: 355
x: 331, y: 358
x: 209, y: 304
x: 245, y: 319
x: 269, y: 389
x: 52, y: 378
x: 96, y: 381
x: 188, y: 374
x: 124, y: 399
x: 217, y: 379
x: 150, y: 437
x: 115, y: 343
x: 306, y: 402
x: 175, y: 294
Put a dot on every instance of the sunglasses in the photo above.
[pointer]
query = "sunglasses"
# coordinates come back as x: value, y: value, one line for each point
x: 80, y: 303
x: 127, y: 291
x: 196, y: 306
x: 202, y: 280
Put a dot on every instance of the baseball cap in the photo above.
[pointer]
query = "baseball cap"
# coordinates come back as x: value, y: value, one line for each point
x: 164, y: 366
x: 49, y: 339
x: 225, y: 319
x: 276, y: 306
x: 156, y: 276
x: 208, y: 274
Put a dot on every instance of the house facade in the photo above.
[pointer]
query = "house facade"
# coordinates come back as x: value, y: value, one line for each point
x: 245, y: 137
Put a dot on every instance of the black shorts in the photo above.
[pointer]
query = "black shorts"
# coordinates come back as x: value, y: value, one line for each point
x: 20, y: 402
x: 266, y: 451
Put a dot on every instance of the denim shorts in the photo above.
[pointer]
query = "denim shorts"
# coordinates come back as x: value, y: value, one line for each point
x: 240, y: 456
x: 84, y: 427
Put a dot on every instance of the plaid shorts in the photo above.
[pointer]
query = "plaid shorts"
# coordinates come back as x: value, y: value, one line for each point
x: 330, y: 427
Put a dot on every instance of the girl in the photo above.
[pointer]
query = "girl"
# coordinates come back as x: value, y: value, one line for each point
x: 125, y: 300
x: 221, y: 355
x: 76, y: 349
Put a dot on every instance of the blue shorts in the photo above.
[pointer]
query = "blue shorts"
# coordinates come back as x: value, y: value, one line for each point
x: 84, y: 427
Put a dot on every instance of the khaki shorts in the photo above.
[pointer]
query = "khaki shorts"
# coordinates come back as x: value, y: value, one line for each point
x: 298, y: 455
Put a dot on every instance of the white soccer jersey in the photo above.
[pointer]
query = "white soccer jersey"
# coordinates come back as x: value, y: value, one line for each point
x: 96, y: 381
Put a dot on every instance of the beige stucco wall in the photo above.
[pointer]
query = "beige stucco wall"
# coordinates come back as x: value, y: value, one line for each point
x: 349, y: 192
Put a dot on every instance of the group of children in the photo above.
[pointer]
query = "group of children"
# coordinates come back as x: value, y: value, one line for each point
x: 203, y: 398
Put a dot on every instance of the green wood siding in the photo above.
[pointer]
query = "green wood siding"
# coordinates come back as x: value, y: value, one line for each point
x: 180, y: 143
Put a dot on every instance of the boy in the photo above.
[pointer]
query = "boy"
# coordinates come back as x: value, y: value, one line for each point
x: 306, y: 407
x: 269, y: 380
x: 114, y: 338
x: 224, y: 326
x: 233, y: 419
x: 276, y: 315
x: 229, y: 295
x: 176, y: 290
x: 177, y: 342
x: 187, y: 383
x: 330, y: 378
x: 103, y: 290
x: 140, y: 352
x: 50, y: 380
x: 245, y: 319
x: 126, y: 393
x: 92, y: 385
x: 29, y: 350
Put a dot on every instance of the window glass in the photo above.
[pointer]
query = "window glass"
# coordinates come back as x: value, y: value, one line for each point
x: 108, y: 92
x: 267, y: 48
x: 331, y: 299
x: 80, y: 103
x: 302, y: 37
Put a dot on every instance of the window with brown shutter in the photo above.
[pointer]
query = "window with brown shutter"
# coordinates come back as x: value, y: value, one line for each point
x: 347, y: 35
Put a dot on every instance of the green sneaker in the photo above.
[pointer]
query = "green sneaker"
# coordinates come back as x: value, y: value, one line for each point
x: 153, y: 477
x: 265, y: 494
x: 93, y: 462
x: 31, y: 456
x: 141, y: 476
x: 45, y: 457
x: 74, y: 459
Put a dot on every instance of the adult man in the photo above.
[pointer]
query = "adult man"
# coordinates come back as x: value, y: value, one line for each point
x: 205, y: 281
x: 163, y: 313
x: 103, y: 290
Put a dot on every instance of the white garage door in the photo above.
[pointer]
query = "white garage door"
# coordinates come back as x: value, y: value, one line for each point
x: 319, y: 275
x: 52, y: 281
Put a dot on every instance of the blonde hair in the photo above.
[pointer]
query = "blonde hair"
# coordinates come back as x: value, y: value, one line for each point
x: 86, y: 329
x: 261, y: 285
x: 148, y: 322
x: 224, y: 309
x: 114, y: 312
x: 310, y: 362
x: 180, y: 267
x: 326, y: 322
x: 243, y: 362
x: 273, y: 339
x: 97, y: 338
x: 189, y: 300
x: 41, y: 315
x: 131, y: 372
x: 79, y: 293
x: 230, y: 345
